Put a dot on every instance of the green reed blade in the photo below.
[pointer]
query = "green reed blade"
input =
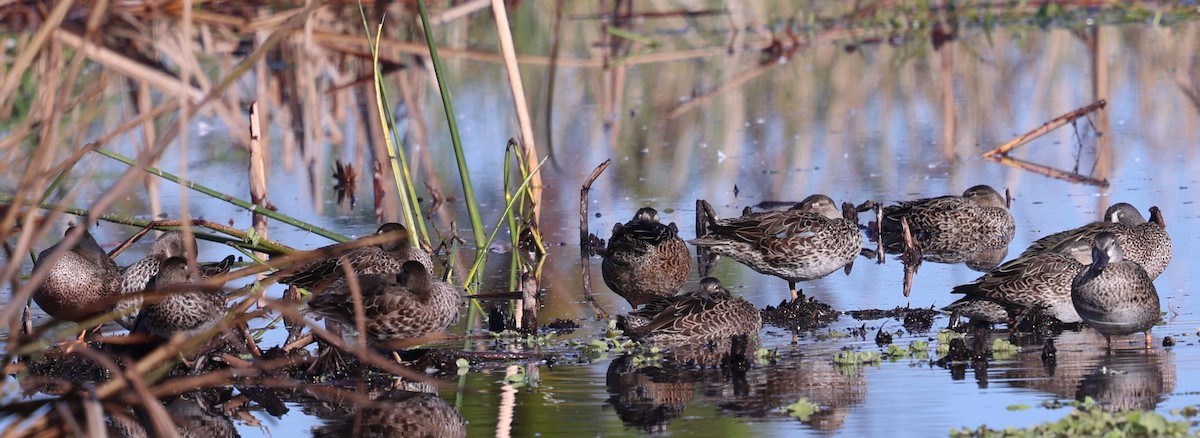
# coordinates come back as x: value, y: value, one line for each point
x: 451, y: 121
x: 228, y: 198
x: 410, y: 208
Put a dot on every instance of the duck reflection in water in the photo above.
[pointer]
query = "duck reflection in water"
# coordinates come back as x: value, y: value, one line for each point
x: 1130, y: 379
x: 413, y: 410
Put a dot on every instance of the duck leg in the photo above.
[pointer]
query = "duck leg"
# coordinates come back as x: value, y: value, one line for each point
x: 792, y: 290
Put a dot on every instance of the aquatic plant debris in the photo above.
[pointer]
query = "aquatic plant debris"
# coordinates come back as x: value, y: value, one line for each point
x: 1089, y: 419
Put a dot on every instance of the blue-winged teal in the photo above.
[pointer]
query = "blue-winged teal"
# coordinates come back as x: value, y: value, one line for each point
x: 1038, y: 283
x: 183, y: 309
x: 1146, y: 243
x: 78, y: 282
x: 385, y: 258
x: 1119, y: 215
x: 398, y: 306
x: 135, y: 277
x: 980, y: 213
x: 1115, y: 295
x: 708, y: 314
x: 645, y: 259
x: 807, y: 242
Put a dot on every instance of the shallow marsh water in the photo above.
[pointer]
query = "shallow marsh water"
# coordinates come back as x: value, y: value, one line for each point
x: 879, y: 122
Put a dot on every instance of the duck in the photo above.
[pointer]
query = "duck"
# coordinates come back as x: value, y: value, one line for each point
x: 1144, y: 242
x: 1035, y: 283
x: 708, y: 314
x: 980, y: 213
x: 806, y: 242
x: 79, y: 282
x: 134, y: 278
x: 1114, y: 295
x: 384, y: 258
x: 645, y: 259
x: 184, y: 309
x: 398, y: 306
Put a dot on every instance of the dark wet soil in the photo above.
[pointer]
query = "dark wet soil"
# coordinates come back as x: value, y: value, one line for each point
x: 919, y: 320
x: 805, y: 313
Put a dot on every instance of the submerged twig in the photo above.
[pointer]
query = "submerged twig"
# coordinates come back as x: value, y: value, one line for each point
x: 1048, y: 171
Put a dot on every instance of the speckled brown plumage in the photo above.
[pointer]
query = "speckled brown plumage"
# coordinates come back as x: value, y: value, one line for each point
x: 809, y: 241
x: 1114, y: 295
x: 385, y: 258
x: 399, y: 306
x: 1041, y: 283
x: 1146, y: 243
x: 135, y: 277
x: 708, y: 314
x: 78, y: 281
x: 399, y: 414
x: 181, y: 311
x: 645, y: 259
x: 979, y: 214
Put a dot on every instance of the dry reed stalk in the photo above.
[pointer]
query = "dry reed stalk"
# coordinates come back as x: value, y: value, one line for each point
x: 254, y: 370
x: 93, y: 413
x: 1004, y: 149
x: 25, y: 59
x: 529, y: 304
x: 102, y: 55
x: 879, y: 252
x: 356, y: 299
x: 508, y: 50
x: 258, y: 175
x: 365, y: 355
x: 585, y: 242
x: 457, y: 12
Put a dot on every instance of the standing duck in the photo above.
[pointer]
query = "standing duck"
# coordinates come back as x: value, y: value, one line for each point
x: 1114, y: 295
x: 645, y: 259
x: 398, y: 306
x: 78, y: 281
x: 384, y: 258
x: 806, y: 242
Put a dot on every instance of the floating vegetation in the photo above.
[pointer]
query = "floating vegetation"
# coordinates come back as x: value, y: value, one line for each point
x: 1088, y: 419
x: 856, y: 358
x: 802, y: 409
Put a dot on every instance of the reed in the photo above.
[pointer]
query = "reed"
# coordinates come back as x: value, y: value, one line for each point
x: 410, y: 209
x: 464, y: 173
x: 338, y: 237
